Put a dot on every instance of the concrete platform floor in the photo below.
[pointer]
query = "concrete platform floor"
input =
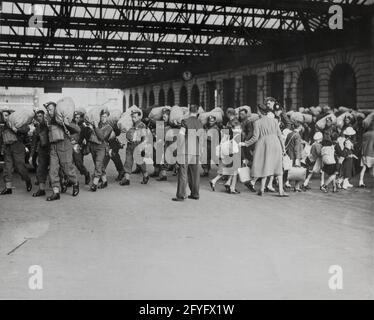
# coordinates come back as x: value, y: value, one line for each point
x: 134, y: 243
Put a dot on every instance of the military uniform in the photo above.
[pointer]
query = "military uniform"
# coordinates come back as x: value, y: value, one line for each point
x: 131, y: 146
x: 115, y: 146
x: 188, y: 160
x: 61, y: 155
x: 42, y: 149
x: 99, y: 147
x: 78, y: 157
x: 14, y: 156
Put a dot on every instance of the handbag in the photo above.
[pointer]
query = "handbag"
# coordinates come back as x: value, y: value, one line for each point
x: 297, y: 174
x: 244, y: 174
x: 287, y: 162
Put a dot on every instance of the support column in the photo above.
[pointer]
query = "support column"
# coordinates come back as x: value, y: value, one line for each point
x: 372, y: 56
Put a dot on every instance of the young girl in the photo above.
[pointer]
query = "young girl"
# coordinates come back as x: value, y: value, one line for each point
x: 293, y: 150
x: 329, y: 164
x: 347, y: 153
x: 313, y: 161
x: 229, y: 159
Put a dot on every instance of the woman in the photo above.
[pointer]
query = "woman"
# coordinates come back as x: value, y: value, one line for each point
x: 367, y: 154
x: 99, y: 147
x: 267, y: 159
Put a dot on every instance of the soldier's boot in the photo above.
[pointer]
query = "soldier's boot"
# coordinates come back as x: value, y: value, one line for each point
x: 6, y: 191
x: 39, y: 193
x: 75, y: 190
x: 53, y: 197
x: 87, y: 179
x: 28, y: 185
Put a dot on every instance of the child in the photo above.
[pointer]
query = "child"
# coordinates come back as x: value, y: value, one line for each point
x: 313, y: 161
x: 348, y: 155
x: 229, y: 158
x: 329, y: 164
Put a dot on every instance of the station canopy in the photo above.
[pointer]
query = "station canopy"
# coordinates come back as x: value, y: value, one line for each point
x: 120, y: 43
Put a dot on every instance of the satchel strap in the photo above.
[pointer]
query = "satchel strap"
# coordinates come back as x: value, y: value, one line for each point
x: 289, y: 142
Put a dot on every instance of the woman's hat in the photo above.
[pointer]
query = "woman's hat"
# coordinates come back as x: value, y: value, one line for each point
x: 349, y: 132
x: 263, y: 108
x: 318, y: 136
x: 212, y: 118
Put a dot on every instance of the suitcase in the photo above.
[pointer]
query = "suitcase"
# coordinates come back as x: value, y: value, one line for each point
x: 297, y: 174
x: 244, y: 174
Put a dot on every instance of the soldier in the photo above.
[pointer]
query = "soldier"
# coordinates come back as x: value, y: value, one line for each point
x: 114, y: 147
x: 99, y: 147
x: 61, y: 154
x: 42, y: 149
x: 189, y: 153
x: 132, y: 136
x: 77, y: 141
x: 14, y: 155
x: 161, y: 169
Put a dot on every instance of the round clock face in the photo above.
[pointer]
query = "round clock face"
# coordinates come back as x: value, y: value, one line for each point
x: 187, y: 75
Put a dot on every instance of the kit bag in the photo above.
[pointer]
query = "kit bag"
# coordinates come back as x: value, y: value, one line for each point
x: 65, y: 110
x: 20, y: 118
x: 177, y: 114
x: 93, y: 115
x: 156, y: 113
x: 217, y: 113
x: 114, y: 116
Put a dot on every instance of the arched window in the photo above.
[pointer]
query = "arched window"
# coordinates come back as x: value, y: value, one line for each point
x: 137, y: 99
x: 151, y: 98
x: 124, y: 103
x: 144, y: 100
x: 161, y: 98
x: 308, y: 89
x: 131, y: 100
x: 343, y: 87
x: 195, y: 95
x: 183, y: 97
x: 171, y: 97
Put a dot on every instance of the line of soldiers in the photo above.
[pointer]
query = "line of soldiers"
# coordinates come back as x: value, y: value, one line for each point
x: 60, y: 150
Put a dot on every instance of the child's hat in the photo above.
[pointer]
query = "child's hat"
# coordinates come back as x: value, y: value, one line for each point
x: 318, y: 136
x: 349, y: 132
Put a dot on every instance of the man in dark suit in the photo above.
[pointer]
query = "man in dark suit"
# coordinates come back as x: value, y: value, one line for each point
x: 190, y: 142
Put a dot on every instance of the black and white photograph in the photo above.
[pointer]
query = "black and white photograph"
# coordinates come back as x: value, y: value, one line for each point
x: 188, y: 150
